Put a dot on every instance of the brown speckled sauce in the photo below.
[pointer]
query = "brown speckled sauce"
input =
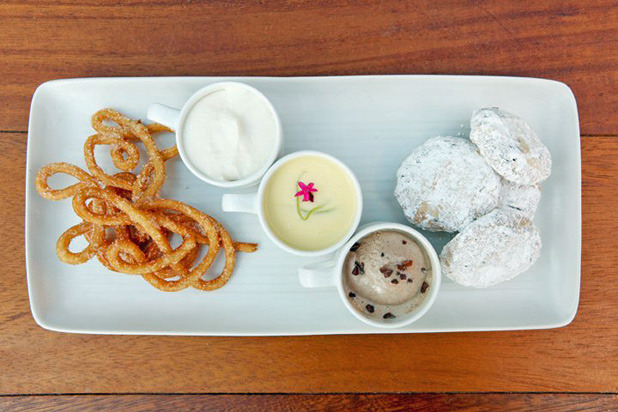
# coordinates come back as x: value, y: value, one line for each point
x: 387, y: 274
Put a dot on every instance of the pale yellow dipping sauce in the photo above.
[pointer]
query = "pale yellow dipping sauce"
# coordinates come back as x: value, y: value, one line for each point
x: 335, y: 203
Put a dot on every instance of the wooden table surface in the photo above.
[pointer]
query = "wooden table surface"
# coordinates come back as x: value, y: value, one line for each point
x: 575, y: 42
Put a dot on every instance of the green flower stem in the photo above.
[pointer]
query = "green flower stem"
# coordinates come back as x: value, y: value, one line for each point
x: 311, y: 211
x: 318, y: 212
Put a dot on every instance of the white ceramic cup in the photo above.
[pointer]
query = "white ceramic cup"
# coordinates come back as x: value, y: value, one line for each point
x: 254, y: 203
x: 175, y: 120
x: 330, y: 274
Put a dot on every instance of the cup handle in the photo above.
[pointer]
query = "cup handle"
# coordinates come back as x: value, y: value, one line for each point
x: 318, y: 275
x: 165, y: 115
x: 243, y: 203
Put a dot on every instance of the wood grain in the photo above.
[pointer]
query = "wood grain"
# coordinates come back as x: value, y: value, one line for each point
x: 575, y: 42
x: 373, y: 402
x: 581, y: 357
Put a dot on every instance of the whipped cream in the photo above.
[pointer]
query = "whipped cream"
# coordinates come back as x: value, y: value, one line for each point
x: 230, y: 133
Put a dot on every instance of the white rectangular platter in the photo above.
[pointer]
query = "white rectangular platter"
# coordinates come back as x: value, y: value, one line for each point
x: 369, y: 122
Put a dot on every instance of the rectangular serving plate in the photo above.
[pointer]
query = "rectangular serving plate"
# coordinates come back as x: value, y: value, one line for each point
x: 369, y: 122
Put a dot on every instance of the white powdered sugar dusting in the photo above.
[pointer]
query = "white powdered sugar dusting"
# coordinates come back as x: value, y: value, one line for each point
x: 445, y: 184
x: 510, y: 146
x: 495, y: 248
x: 523, y: 198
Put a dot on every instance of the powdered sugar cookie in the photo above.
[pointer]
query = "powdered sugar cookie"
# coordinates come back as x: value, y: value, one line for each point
x: 445, y: 184
x: 495, y: 248
x: 510, y: 146
x: 523, y: 198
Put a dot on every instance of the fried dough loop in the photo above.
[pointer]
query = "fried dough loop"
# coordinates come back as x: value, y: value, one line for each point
x: 124, y: 223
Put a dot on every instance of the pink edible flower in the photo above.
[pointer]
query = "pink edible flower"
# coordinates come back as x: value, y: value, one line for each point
x: 306, y: 191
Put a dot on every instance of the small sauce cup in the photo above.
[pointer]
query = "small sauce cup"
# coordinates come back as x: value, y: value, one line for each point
x: 330, y: 274
x: 255, y: 203
x: 175, y: 119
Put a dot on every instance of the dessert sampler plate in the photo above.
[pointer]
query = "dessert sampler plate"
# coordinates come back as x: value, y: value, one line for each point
x: 371, y: 123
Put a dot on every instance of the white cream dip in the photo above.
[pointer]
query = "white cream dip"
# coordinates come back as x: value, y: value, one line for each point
x: 229, y: 133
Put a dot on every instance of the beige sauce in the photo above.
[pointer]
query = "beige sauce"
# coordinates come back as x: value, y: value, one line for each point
x: 387, y: 274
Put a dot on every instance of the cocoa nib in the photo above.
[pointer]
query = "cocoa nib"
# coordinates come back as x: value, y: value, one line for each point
x: 388, y: 315
x: 424, y: 287
x: 352, y: 294
x: 360, y: 266
x: 409, y: 280
x: 386, y: 271
x: 370, y: 308
x: 355, y: 247
x: 404, y: 265
x: 394, y: 281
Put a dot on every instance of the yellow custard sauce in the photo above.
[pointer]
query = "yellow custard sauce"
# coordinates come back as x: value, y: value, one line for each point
x: 295, y: 219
